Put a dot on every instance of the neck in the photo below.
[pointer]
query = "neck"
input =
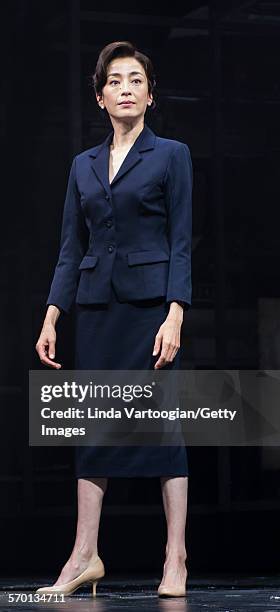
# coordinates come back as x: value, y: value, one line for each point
x: 125, y: 135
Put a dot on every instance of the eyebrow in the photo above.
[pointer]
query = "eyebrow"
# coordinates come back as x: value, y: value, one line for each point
x: 118, y: 74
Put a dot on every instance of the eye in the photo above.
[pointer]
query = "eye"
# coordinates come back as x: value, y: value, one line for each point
x: 138, y: 80
x: 114, y: 81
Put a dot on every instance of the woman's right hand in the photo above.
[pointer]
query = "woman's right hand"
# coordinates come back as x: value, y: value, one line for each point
x: 45, y: 346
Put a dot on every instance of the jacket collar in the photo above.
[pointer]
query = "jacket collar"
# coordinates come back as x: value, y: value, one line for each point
x: 100, y: 156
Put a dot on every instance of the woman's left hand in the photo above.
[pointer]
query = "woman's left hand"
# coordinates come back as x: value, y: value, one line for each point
x: 168, y: 336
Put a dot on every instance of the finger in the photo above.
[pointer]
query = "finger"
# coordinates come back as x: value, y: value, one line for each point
x: 45, y: 360
x: 172, y: 356
x: 172, y: 352
x: 171, y: 346
x: 51, y: 350
x: 167, y: 348
x: 160, y: 362
x: 166, y: 355
x: 52, y: 364
x: 157, y: 345
x: 41, y: 349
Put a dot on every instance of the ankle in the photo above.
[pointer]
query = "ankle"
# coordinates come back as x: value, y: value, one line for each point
x: 178, y: 555
x: 83, y: 554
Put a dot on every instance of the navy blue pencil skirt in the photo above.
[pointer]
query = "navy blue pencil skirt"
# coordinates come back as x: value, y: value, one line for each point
x: 120, y: 336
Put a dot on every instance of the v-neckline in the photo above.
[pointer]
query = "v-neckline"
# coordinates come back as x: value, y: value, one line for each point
x: 109, y: 151
x: 110, y: 182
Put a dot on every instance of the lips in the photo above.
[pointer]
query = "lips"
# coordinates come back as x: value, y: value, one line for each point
x: 126, y: 102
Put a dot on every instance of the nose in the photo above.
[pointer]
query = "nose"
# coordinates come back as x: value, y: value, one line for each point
x: 125, y: 87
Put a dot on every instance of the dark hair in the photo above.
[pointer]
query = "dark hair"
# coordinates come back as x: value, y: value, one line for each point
x: 122, y: 48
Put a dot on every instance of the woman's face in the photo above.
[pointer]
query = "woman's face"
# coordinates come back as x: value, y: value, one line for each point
x: 126, y: 81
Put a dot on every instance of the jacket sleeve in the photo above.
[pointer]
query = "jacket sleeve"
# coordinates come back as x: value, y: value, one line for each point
x: 178, y: 184
x: 73, y: 244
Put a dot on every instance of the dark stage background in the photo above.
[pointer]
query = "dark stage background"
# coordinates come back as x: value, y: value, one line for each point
x: 217, y: 68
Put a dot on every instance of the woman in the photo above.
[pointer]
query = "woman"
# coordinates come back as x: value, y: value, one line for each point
x: 125, y: 259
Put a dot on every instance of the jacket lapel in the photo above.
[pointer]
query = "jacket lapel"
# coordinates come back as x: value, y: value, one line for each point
x: 100, y: 156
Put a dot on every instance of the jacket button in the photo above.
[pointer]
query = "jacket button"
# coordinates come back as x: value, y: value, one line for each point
x: 110, y: 248
x: 108, y: 223
x: 107, y: 197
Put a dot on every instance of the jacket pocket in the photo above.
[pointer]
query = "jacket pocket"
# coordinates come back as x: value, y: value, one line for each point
x: 88, y: 261
x: 143, y: 257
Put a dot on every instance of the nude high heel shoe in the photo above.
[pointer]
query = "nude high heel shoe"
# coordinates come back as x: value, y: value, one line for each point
x: 93, y: 573
x: 169, y: 592
x: 165, y: 591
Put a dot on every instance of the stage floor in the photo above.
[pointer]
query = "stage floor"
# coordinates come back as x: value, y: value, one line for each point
x: 224, y: 593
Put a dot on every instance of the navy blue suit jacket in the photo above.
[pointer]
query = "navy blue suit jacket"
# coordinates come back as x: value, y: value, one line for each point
x: 134, y: 232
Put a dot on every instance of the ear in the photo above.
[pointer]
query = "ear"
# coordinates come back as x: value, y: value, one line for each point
x: 99, y: 100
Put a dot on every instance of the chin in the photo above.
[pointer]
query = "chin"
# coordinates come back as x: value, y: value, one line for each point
x: 128, y: 108
x: 128, y: 114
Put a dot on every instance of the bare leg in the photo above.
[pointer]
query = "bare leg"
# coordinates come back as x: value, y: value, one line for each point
x: 175, y: 495
x: 90, y: 498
